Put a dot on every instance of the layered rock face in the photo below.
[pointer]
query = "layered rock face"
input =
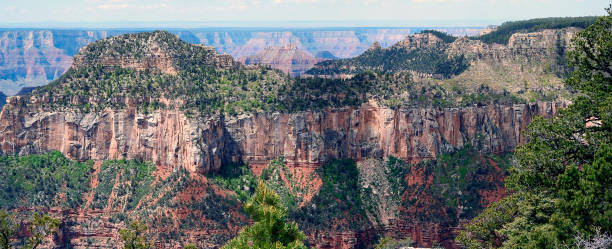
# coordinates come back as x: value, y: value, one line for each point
x: 289, y: 59
x: 312, y: 138
x: 546, y: 45
x: 170, y: 139
x: 167, y: 138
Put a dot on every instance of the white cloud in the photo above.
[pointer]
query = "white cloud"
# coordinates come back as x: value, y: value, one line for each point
x: 438, y: 1
x: 156, y: 6
x: 10, y: 8
x: 110, y: 6
x: 106, y: 1
x: 295, y: 1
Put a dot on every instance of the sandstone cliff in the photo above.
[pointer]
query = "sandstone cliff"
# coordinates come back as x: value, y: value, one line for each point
x: 310, y: 138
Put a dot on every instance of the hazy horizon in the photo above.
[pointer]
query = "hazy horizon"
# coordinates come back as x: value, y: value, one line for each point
x: 284, y: 13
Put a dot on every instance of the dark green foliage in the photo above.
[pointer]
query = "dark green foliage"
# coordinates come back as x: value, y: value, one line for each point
x: 40, y: 226
x: 236, y: 177
x: 502, y: 34
x: 135, y: 236
x: 272, y: 176
x: 338, y: 199
x: 215, y: 208
x: 484, y: 96
x: 428, y: 60
x: 398, y: 170
x: 391, y: 90
x: 390, y: 243
x: 459, y: 178
x: 201, y: 86
x: 200, y: 83
x: 270, y: 228
x: 137, y: 45
x: 8, y: 229
x: 442, y: 35
x: 481, y: 232
x: 37, y: 180
x: 208, y: 211
x: 562, y: 176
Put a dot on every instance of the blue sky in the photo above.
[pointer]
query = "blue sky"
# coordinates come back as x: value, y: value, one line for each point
x: 285, y: 13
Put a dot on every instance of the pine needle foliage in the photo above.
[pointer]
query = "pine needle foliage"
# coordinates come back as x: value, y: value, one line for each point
x: 270, y: 228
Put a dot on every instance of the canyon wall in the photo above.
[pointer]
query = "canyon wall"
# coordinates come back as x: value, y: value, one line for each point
x: 170, y: 139
x: 312, y: 138
x: 306, y: 140
x: 33, y: 57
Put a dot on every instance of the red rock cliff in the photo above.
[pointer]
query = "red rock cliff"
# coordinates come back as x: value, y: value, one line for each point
x: 170, y: 139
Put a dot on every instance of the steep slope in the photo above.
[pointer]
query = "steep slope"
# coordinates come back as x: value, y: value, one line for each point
x: 94, y: 200
x: 188, y: 112
x: 289, y: 59
x: 530, y: 66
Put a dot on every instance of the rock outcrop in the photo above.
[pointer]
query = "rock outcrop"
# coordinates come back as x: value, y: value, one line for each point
x: 170, y: 139
x: 167, y: 137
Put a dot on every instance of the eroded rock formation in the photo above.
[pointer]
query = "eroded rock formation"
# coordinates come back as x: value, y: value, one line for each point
x: 170, y: 139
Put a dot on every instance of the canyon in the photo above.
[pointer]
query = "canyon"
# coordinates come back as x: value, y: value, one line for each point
x: 33, y: 57
x: 170, y: 139
x: 183, y: 200
x: 305, y: 140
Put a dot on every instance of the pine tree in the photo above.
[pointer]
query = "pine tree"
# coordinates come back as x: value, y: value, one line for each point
x: 270, y: 228
x: 134, y: 236
x: 40, y: 227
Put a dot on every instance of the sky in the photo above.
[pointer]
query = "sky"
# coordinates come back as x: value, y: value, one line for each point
x: 284, y: 13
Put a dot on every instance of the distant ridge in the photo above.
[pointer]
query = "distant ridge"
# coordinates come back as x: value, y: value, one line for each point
x: 326, y: 55
x: 502, y: 33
